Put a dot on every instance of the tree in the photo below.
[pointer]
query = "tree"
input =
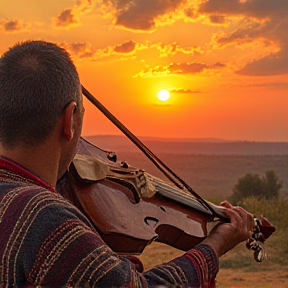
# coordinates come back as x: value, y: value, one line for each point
x: 272, y: 185
x: 253, y: 185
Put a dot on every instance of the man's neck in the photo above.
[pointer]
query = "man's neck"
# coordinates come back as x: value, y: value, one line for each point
x: 41, y: 160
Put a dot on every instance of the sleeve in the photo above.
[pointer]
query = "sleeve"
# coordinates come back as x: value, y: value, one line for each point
x: 68, y: 252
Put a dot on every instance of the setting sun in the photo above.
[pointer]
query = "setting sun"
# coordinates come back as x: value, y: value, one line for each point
x: 163, y: 95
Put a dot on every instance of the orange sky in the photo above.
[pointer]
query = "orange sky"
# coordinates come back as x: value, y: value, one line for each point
x: 225, y: 62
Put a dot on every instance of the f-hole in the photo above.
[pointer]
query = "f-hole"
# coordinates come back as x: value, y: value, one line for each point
x: 151, y: 221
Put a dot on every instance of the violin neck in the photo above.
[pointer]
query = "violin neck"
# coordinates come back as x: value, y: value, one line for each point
x: 164, y: 189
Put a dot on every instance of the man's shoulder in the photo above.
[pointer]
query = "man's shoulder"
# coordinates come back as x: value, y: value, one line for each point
x: 29, y: 197
x: 29, y: 191
x: 32, y: 201
x: 38, y: 202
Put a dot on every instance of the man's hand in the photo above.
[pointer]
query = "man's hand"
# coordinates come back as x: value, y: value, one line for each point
x: 226, y: 236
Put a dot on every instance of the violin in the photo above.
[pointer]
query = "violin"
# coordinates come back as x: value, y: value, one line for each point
x: 131, y: 208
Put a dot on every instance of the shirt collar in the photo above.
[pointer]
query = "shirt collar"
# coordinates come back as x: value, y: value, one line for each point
x: 17, y: 169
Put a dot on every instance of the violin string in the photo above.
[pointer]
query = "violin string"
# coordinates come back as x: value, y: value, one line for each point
x: 179, y: 182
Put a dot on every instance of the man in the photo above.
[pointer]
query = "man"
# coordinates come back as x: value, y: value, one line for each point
x: 45, y: 241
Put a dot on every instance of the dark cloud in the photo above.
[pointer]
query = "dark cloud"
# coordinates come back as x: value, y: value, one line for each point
x: 192, y: 68
x: 217, y: 19
x: 220, y: 6
x: 78, y: 47
x: 12, y: 25
x: 65, y: 19
x: 185, y: 91
x: 252, y: 8
x: 217, y: 65
x: 81, y: 49
x: 272, y: 85
x: 275, y: 64
x: 141, y: 14
x: 179, y: 68
x: 71, y: 17
x: 126, y: 47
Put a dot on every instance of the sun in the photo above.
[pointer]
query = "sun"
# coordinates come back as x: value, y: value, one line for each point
x: 163, y: 95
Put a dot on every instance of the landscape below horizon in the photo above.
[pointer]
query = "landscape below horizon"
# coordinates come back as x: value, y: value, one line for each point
x: 211, y: 167
x: 212, y: 146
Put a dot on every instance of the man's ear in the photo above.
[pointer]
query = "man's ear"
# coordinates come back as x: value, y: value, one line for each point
x: 68, y: 120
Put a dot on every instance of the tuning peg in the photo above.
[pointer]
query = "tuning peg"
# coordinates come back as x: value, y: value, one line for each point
x: 259, y: 252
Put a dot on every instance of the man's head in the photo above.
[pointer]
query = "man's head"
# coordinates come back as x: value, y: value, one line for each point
x: 38, y: 80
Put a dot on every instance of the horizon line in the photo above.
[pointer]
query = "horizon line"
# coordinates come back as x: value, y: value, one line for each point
x: 205, y: 139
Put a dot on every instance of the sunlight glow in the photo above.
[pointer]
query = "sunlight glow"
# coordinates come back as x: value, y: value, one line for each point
x: 163, y: 95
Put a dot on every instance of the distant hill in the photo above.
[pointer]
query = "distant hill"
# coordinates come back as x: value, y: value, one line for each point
x: 207, y: 146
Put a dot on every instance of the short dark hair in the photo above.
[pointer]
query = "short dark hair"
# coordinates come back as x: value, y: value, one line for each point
x: 37, y: 81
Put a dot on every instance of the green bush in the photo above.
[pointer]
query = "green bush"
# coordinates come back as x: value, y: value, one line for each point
x: 253, y: 185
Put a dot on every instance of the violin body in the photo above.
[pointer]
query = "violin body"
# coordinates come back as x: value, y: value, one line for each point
x: 129, y: 207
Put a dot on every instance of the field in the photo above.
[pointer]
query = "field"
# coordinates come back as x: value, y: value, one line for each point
x: 213, y: 177
x: 212, y: 173
x: 243, y: 272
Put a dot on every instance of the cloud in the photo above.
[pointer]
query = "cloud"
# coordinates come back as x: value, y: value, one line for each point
x: 217, y: 19
x: 220, y: 6
x: 142, y: 14
x: 79, y: 49
x: 70, y: 17
x: 127, y: 47
x: 263, y: 21
x: 276, y: 64
x: 174, y: 48
x: 85, y: 50
x: 66, y: 19
x: 192, y: 68
x: 272, y: 85
x: 259, y: 9
x: 277, y: 85
x: 179, y: 69
x: 184, y: 91
x: 13, y: 26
